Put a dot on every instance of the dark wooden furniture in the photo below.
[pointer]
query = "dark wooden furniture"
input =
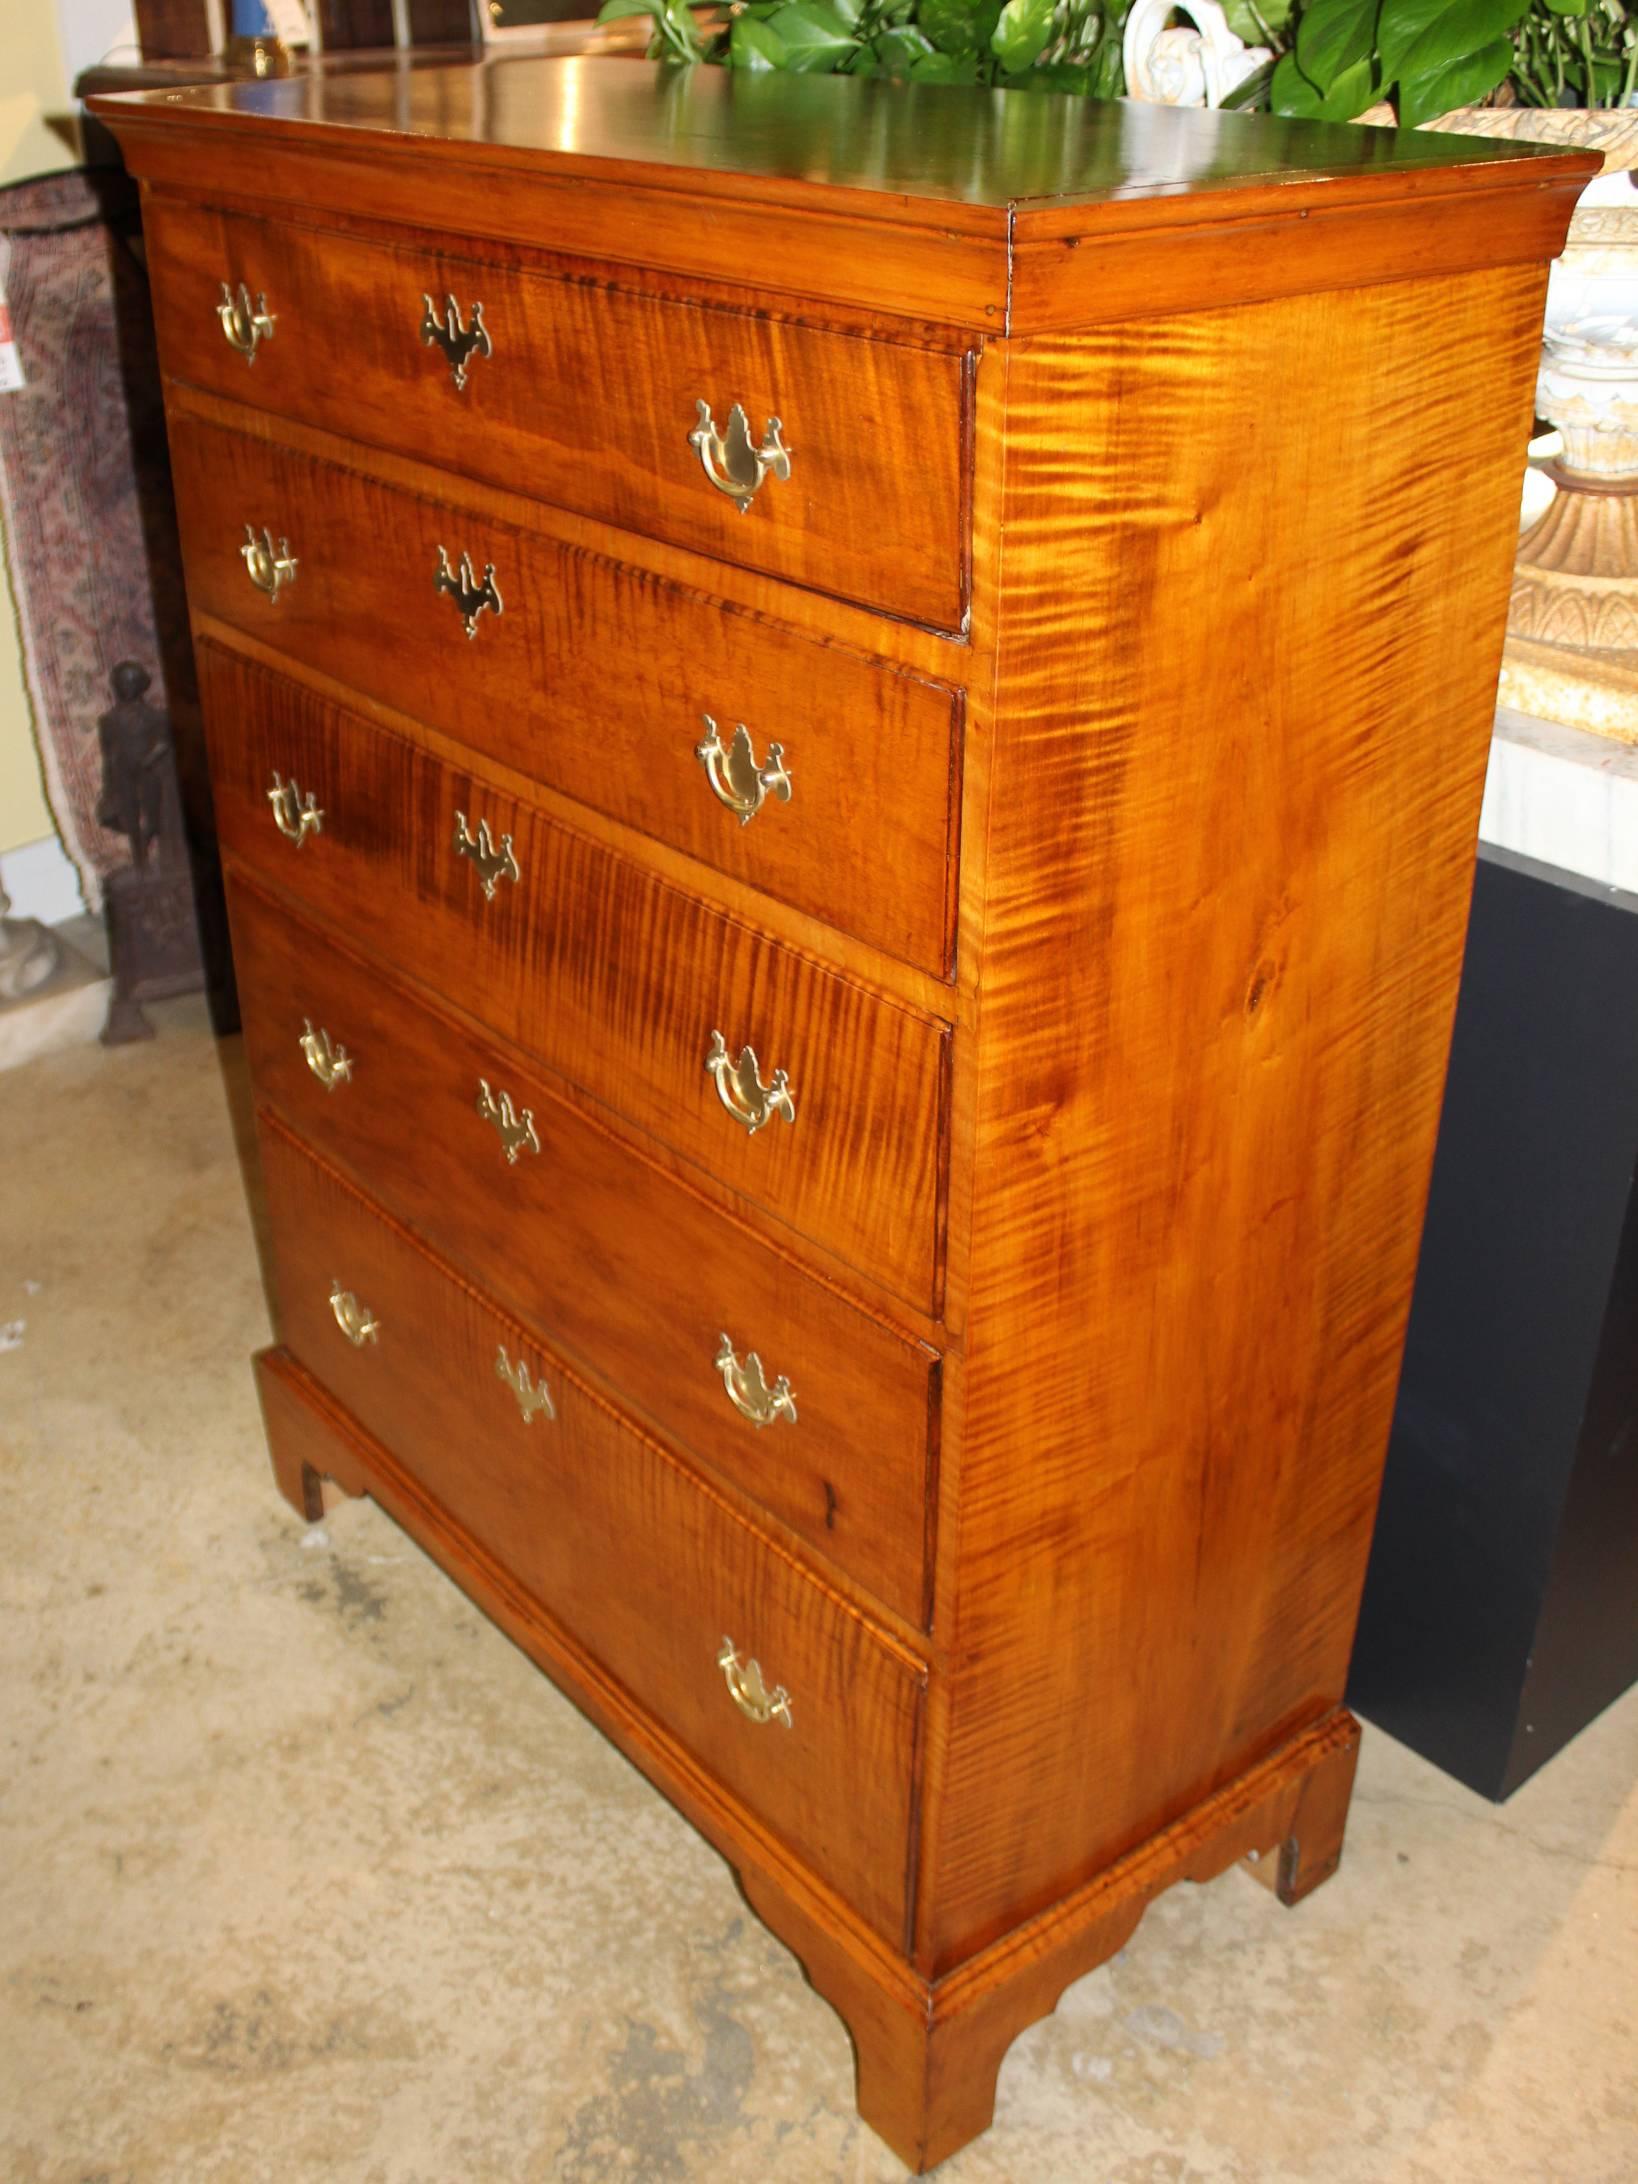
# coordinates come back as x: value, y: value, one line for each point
x: 177, y: 51
x: 189, y: 30
x: 1501, y: 1606
x: 877, y: 1247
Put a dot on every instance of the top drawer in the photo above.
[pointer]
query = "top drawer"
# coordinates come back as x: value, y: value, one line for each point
x: 589, y: 397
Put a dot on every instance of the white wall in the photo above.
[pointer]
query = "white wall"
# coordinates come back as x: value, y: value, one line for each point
x: 33, y: 86
x: 93, y: 30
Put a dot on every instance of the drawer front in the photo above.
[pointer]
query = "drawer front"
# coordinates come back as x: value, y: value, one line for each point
x: 600, y: 682
x: 607, y: 1257
x: 618, y: 981
x: 589, y: 398
x: 647, y: 1569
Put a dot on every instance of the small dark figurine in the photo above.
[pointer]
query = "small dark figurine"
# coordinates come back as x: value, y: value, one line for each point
x: 139, y: 793
x: 152, y: 938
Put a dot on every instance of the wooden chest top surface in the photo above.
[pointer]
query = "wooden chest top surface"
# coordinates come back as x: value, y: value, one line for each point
x: 949, y: 188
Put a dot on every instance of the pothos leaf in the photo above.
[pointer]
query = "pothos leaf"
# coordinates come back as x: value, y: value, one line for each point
x: 959, y: 26
x: 1252, y: 21
x: 1020, y: 36
x: 945, y: 68
x: 1291, y: 93
x: 814, y: 37
x: 1334, y: 35
x: 754, y: 45
x: 1461, y: 82
x: 900, y: 48
x: 1417, y: 37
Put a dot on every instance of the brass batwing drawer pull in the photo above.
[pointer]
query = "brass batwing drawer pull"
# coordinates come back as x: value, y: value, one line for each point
x: 463, y: 587
x: 296, y: 816
x: 737, y: 781
x: 356, y: 1321
x: 270, y: 568
x: 460, y: 344
x: 243, y: 326
x: 516, y: 1132
x: 332, y: 1065
x: 729, y: 460
x: 747, y: 1690
x: 748, y: 1388
x: 533, y: 1400
x: 741, y: 1090
x: 493, y: 861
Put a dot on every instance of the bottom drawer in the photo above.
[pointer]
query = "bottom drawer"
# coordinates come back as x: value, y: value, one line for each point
x: 643, y: 1566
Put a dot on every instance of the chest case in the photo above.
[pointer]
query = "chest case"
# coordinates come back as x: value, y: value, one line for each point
x: 848, y: 726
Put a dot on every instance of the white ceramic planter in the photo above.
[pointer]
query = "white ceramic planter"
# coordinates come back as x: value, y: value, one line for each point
x: 1195, y: 62
x: 1572, y: 647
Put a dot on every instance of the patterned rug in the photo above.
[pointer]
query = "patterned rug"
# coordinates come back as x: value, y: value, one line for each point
x: 85, y: 486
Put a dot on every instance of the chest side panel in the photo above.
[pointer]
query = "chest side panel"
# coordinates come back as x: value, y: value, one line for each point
x: 1249, y: 638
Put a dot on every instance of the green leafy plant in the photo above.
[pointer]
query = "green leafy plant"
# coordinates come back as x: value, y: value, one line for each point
x: 1431, y: 55
x: 1038, y: 45
x: 1335, y: 57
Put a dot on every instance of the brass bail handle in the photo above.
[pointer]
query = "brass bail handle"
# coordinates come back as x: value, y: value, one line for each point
x: 296, y: 816
x: 330, y: 1063
x: 741, y: 1090
x: 244, y: 324
x: 269, y: 567
x: 462, y: 585
x: 533, y: 1399
x: 729, y: 459
x: 356, y: 1321
x: 460, y: 345
x: 514, y: 1127
x: 748, y: 1690
x: 738, y: 783
x: 492, y: 861
x: 749, y: 1389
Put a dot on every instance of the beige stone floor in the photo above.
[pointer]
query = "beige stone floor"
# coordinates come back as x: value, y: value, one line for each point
x: 305, y: 1873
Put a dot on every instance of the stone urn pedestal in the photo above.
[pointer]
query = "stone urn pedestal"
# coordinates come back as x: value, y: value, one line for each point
x: 1572, y: 627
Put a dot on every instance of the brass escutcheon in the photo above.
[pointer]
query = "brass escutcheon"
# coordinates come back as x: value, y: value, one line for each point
x: 515, y: 1131
x: 270, y: 569
x: 493, y: 861
x: 747, y: 1689
x: 533, y: 1400
x: 356, y: 1321
x: 737, y: 781
x: 460, y: 344
x: 294, y: 815
x: 332, y: 1065
x: 463, y: 587
x: 741, y: 1090
x: 748, y: 1388
x: 729, y: 460
x: 243, y: 325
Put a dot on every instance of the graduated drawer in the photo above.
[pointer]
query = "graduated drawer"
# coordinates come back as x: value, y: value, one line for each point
x: 618, y: 981
x: 599, y: 681
x: 602, y: 1253
x: 589, y: 397
x: 642, y: 1565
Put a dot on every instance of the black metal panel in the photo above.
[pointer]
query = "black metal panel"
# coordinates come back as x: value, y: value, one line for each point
x: 1508, y: 1529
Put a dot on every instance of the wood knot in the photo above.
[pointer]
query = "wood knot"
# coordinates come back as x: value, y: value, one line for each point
x: 1263, y: 979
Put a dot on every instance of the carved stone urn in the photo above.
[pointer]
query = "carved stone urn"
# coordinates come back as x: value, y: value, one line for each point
x: 1572, y: 628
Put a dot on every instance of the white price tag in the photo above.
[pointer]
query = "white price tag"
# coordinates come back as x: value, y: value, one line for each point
x: 289, y: 20
x: 11, y: 364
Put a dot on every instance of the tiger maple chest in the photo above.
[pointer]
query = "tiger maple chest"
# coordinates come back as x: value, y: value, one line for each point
x: 847, y: 725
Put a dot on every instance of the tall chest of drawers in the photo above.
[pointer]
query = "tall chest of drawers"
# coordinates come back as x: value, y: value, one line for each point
x: 847, y: 726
